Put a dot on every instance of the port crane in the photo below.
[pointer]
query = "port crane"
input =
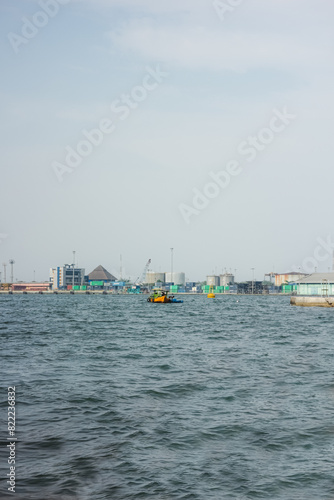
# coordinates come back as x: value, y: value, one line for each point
x: 140, y: 279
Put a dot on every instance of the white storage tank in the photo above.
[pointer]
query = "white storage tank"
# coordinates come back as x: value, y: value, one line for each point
x: 212, y: 280
x: 226, y: 279
x: 176, y: 278
x: 152, y: 278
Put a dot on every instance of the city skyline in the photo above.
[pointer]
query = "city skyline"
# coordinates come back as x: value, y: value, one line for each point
x: 121, y: 272
x: 147, y: 125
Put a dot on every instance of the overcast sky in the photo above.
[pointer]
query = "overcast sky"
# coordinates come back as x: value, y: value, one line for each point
x: 217, y: 125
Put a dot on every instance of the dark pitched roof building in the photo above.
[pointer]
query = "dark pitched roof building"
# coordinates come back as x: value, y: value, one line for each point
x: 101, y: 274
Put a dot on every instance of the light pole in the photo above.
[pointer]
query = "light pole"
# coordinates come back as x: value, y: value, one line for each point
x: 12, y: 262
x: 171, y: 265
x: 73, y: 268
x: 299, y: 278
x: 253, y: 281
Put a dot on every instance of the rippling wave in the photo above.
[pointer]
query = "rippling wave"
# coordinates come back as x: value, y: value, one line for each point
x: 210, y: 399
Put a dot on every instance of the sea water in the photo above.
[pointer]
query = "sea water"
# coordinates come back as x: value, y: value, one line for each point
x: 116, y: 398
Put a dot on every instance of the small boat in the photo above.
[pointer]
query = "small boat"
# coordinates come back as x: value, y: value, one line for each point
x: 211, y: 294
x: 159, y: 296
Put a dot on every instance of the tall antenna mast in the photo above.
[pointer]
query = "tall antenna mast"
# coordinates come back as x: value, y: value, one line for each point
x: 171, y: 264
x: 4, y: 272
x: 12, y: 262
x: 73, y: 268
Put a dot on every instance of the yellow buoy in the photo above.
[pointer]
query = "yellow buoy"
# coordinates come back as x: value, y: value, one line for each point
x: 211, y: 295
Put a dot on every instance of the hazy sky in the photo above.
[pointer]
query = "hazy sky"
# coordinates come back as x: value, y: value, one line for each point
x: 183, y: 91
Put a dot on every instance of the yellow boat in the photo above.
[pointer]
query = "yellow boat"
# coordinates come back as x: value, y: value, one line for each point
x: 211, y: 294
x: 160, y: 296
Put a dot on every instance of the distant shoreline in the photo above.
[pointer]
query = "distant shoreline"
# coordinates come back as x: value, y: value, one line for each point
x: 104, y: 292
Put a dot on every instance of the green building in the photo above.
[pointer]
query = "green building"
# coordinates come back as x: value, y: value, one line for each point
x: 321, y: 284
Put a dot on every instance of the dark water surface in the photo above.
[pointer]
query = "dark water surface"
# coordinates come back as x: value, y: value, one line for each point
x: 210, y: 399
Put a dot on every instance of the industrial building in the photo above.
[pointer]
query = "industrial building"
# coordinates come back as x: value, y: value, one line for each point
x: 222, y: 280
x: 282, y: 279
x: 321, y: 284
x: 175, y: 282
x: 252, y: 287
x: 30, y: 287
x: 101, y: 276
x: 226, y: 279
x: 212, y: 280
x: 66, y: 277
x: 153, y: 278
x: 178, y: 279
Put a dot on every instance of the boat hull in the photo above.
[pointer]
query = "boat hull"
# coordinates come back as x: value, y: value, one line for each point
x: 164, y: 300
x: 159, y: 300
